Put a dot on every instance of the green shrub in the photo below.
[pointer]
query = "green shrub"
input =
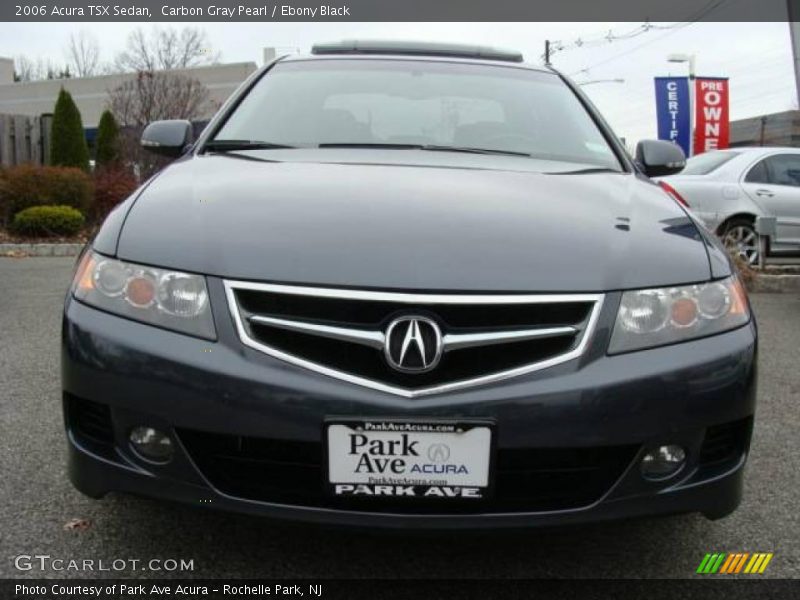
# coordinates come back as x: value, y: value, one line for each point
x: 28, y: 185
x: 107, y: 152
x: 48, y: 220
x: 68, y: 141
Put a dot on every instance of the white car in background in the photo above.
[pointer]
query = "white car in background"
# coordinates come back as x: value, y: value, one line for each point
x: 728, y: 189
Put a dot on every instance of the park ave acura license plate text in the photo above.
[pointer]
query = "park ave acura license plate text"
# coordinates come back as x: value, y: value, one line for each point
x: 409, y: 459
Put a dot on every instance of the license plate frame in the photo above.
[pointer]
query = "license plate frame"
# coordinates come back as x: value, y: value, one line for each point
x: 422, y: 493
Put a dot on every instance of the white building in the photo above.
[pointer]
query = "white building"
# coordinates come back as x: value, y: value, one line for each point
x: 35, y: 98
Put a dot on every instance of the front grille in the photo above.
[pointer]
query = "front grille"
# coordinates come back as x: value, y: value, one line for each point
x: 343, y: 333
x: 526, y: 479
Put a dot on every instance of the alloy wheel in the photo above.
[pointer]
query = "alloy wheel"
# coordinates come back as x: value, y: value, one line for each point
x: 742, y: 240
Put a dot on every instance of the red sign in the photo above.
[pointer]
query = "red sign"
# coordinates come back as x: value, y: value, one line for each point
x: 712, y: 125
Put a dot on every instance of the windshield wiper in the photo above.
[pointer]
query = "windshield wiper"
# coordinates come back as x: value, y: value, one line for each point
x: 233, y: 145
x: 377, y: 145
x: 470, y: 150
x: 430, y: 147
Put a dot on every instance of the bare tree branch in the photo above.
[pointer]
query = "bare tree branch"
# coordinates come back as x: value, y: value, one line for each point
x: 26, y: 69
x: 83, y: 54
x: 156, y: 95
x: 153, y: 96
x: 165, y: 49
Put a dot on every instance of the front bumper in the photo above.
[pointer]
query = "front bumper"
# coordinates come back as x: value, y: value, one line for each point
x: 146, y: 375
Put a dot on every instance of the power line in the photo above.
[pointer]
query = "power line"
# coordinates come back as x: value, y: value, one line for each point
x: 712, y: 5
x: 601, y: 39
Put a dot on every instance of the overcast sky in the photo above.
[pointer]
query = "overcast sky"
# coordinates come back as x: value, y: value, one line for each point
x: 756, y: 56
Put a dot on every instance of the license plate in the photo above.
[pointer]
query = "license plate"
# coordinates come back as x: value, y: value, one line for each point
x: 434, y: 460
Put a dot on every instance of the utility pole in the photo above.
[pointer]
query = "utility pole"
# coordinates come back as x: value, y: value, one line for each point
x: 692, y: 104
x: 547, y: 53
x: 794, y: 33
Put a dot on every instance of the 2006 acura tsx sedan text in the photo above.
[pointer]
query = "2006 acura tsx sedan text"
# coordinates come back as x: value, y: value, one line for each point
x: 409, y: 285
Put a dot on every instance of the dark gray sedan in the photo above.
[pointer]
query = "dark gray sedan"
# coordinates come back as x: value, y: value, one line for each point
x: 409, y: 286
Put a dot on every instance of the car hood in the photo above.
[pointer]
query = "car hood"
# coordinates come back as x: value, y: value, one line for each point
x: 412, y: 226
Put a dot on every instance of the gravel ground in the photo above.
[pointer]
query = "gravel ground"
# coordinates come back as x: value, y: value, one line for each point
x: 36, y: 500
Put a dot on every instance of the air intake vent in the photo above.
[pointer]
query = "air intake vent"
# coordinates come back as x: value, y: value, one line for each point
x: 90, y: 421
x: 724, y: 444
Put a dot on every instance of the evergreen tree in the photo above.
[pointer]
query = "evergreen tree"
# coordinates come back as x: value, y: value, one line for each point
x: 68, y: 142
x: 107, y: 152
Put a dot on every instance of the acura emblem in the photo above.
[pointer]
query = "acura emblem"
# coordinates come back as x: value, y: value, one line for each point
x: 438, y: 453
x: 413, y: 344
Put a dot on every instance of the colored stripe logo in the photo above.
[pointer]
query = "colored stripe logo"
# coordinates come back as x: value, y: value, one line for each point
x: 735, y: 562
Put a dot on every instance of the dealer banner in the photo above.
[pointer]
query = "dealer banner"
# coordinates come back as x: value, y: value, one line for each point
x: 673, y: 110
x: 712, y: 124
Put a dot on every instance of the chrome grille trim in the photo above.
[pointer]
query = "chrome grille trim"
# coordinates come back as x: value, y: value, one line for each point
x: 456, y: 341
x: 373, y: 339
x: 370, y: 338
x: 377, y: 339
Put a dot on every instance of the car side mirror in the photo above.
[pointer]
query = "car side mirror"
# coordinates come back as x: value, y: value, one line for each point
x: 659, y: 157
x: 168, y: 138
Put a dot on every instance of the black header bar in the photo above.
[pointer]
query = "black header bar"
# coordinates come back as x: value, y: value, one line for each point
x: 398, y: 10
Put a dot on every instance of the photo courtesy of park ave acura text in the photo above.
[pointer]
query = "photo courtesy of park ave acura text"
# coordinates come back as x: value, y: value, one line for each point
x: 297, y: 299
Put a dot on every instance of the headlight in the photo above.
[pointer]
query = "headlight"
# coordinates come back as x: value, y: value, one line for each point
x: 169, y: 299
x: 659, y: 316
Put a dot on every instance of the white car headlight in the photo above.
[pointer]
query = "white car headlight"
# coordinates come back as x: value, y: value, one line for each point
x: 161, y: 297
x: 659, y: 316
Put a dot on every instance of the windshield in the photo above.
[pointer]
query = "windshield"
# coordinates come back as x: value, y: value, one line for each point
x: 703, y: 164
x: 419, y: 103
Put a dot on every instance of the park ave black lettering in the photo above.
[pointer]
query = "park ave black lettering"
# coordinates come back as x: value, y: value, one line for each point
x: 433, y: 491
x: 382, y: 456
x: 380, y: 465
x: 383, y: 447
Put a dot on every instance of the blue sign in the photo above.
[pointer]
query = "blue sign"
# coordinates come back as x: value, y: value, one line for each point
x: 673, y: 110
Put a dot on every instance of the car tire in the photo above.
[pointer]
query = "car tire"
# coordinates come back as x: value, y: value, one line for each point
x: 739, y: 237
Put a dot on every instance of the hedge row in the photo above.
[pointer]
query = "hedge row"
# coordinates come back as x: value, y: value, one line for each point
x: 65, y: 192
x: 26, y: 186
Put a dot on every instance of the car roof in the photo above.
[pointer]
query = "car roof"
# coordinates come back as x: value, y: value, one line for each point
x: 417, y: 48
x: 421, y: 51
x: 745, y: 157
x: 755, y: 150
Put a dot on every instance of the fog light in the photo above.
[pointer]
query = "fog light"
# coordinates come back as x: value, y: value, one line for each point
x: 663, y: 462
x: 152, y: 444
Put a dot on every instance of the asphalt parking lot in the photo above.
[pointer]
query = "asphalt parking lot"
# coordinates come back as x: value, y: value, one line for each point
x: 36, y: 499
